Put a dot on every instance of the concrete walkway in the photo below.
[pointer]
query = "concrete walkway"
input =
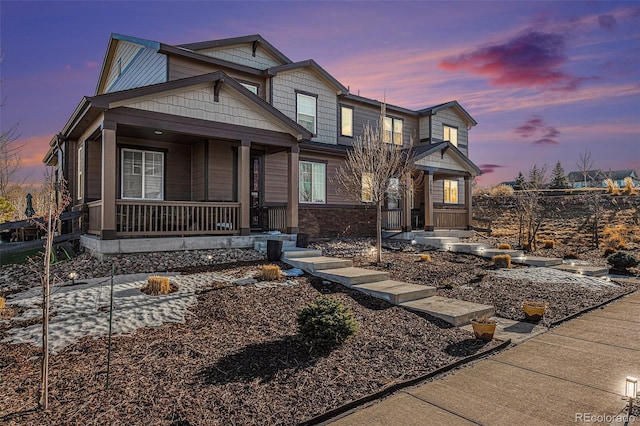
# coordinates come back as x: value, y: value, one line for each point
x: 573, y: 373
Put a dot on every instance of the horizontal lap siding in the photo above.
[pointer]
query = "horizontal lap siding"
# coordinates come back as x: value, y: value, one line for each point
x: 197, y: 171
x: 285, y: 85
x: 147, y: 67
x: 93, y: 169
x: 276, y: 178
x: 334, y: 193
x: 450, y: 118
x: 177, y: 174
x: 221, y: 178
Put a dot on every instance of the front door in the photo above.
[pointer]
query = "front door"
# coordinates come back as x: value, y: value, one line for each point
x: 255, y: 196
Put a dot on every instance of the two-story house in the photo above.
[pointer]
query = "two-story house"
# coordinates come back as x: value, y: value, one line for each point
x: 230, y: 137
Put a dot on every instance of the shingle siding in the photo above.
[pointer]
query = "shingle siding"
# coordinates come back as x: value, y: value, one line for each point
x: 449, y: 117
x: 243, y: 54
x: 285, y: 85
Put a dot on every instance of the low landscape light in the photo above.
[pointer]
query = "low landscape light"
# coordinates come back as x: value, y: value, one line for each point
x: 72, y: 276
x: 631, y: 388
x: 413, y: 242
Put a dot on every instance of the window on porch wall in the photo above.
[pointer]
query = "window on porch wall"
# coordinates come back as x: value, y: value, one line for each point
x: 312, y: 187
x: 81, y: 172
x: 393, y: 194
x: 451, y: 191
x: 142, y: 174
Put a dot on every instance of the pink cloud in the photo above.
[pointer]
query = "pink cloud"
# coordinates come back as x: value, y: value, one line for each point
x: 91, y: 64
x: 531, y: 59
x: 489, y: 168
x: 536, y: 126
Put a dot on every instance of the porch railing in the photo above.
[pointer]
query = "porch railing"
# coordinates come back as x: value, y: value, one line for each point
x: 392, y: 219
x: 95, y: 217
x: 276, y: 217
x: 450, y: 218
x: 156, y: 218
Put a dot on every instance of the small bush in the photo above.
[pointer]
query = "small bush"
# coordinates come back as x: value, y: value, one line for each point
x: 629, y: 189
x: 609, y: 251
x: 622, y: 261
x: 501, y: 190
x: 425, y: 258
x: 270, y: 272
x: 615, y: 241
x: 502, y: 261
x: 612, y: 187
x: 504, y: 246
x: 549, y: 244
x: 2, y: 302
x: 157, y: 285
x: 325, y: 323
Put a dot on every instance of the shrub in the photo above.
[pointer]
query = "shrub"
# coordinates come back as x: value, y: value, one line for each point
x: 549, y: 244
x: 2, y: 302
x: 157, y: 285
x: 502, y: 261
x: 501, y: 190
x: 325, y: 323
x: 629, y: 189
x: 615, y: 241
x: 270, y: 272
x: 571, y: 255
x: 504, y: 246
x: 622, y: 261
x: 425, y: 258
x: 612, y: 187
x: 609, y: 251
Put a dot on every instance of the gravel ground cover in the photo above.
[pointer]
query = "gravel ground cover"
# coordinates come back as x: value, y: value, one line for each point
x: 236, y: 360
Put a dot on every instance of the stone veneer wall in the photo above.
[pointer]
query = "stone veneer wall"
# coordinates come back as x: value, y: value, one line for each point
x: 333, y: 222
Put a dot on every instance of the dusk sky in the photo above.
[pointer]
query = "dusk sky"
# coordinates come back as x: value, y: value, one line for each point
x: 544, y: 80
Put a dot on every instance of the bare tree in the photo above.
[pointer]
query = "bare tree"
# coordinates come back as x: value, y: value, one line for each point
x: 58, y: 199
x: 10, y: 150
x: 373, y: 170
x: 530, y: 209
x: 593, y: 201
x: 585, y: 165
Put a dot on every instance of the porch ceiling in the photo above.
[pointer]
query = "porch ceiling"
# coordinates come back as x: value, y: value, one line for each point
x: 147, y: 133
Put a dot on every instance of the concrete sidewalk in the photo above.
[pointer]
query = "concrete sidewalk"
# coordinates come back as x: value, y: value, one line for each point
x: 573, y: 374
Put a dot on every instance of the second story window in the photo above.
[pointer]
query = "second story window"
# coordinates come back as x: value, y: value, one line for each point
x: 392, y: 130
x: 250, y: 87
x: 451, y: 135
x: 346, y: 121
x: 306, y: 111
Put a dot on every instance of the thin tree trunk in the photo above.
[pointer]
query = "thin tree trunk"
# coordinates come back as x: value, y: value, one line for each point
x: 44, y: 396
x: 379, y: 232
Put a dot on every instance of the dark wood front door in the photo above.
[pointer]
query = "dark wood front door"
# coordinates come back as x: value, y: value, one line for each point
x: 256, y: 195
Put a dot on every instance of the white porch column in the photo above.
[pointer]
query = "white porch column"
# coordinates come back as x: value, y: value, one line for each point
x: 293, y: 171
x: 406, y: 203
x: 244, y: 155
x: 467, y: 200
x: 428, y: 201
x: 108, y: 182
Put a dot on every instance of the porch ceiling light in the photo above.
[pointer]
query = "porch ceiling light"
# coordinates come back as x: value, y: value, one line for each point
x: 631, y: 388
x: 158, y: 132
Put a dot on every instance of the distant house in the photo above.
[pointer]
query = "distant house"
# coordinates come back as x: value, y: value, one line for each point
x: 231, y: 137
x: 597, y: 178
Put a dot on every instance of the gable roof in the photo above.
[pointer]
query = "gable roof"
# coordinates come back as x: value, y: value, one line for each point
x: 309, y: 63
x: 578, y: 176
x: 451, y: 104
x: 254, y: 38
x: 420, y: 151
x: 621, y: 174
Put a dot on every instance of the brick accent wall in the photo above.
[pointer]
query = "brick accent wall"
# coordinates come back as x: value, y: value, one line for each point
x: 333, y: 222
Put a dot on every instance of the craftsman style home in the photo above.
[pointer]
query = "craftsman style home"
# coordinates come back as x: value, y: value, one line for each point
x: 230, y: 137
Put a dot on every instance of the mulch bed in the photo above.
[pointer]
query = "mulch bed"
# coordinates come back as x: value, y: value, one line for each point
x: 238, y: 360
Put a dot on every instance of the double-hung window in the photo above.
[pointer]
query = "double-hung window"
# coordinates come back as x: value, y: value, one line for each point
x: 450, y: 134
x: 306, y: 111
x: 451, y: 191
x: 346, y: 121
x: 81, y: 172
x: 312, y: 182
x: 392, y: 130
x: 142, y: 174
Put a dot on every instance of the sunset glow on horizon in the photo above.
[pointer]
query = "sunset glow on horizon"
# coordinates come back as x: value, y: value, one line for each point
x: 544, y: 80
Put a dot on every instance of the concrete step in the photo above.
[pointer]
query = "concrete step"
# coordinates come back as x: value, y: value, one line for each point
x: 437, y: 242
x: 313, y: 264
x: 296, y: 252
x: 538, y: 261
x: 470, y: 248
x: 261, y: 246
x: 590, y: 271
x: 495, y: 252
x: 396, y: 292
x: 453, y: 311
x: 352, y: 276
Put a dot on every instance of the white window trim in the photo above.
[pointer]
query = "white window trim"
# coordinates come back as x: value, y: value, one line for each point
x: 324, y: 196
x: 122, y: 151
x: 315, y: 113
x: 80, y: 172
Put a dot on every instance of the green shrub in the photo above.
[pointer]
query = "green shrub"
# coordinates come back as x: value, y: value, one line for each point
x: 325, y: 323
x: 622, y: 260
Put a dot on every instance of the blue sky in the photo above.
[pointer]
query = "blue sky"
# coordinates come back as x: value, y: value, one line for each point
x: 545, y: 80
